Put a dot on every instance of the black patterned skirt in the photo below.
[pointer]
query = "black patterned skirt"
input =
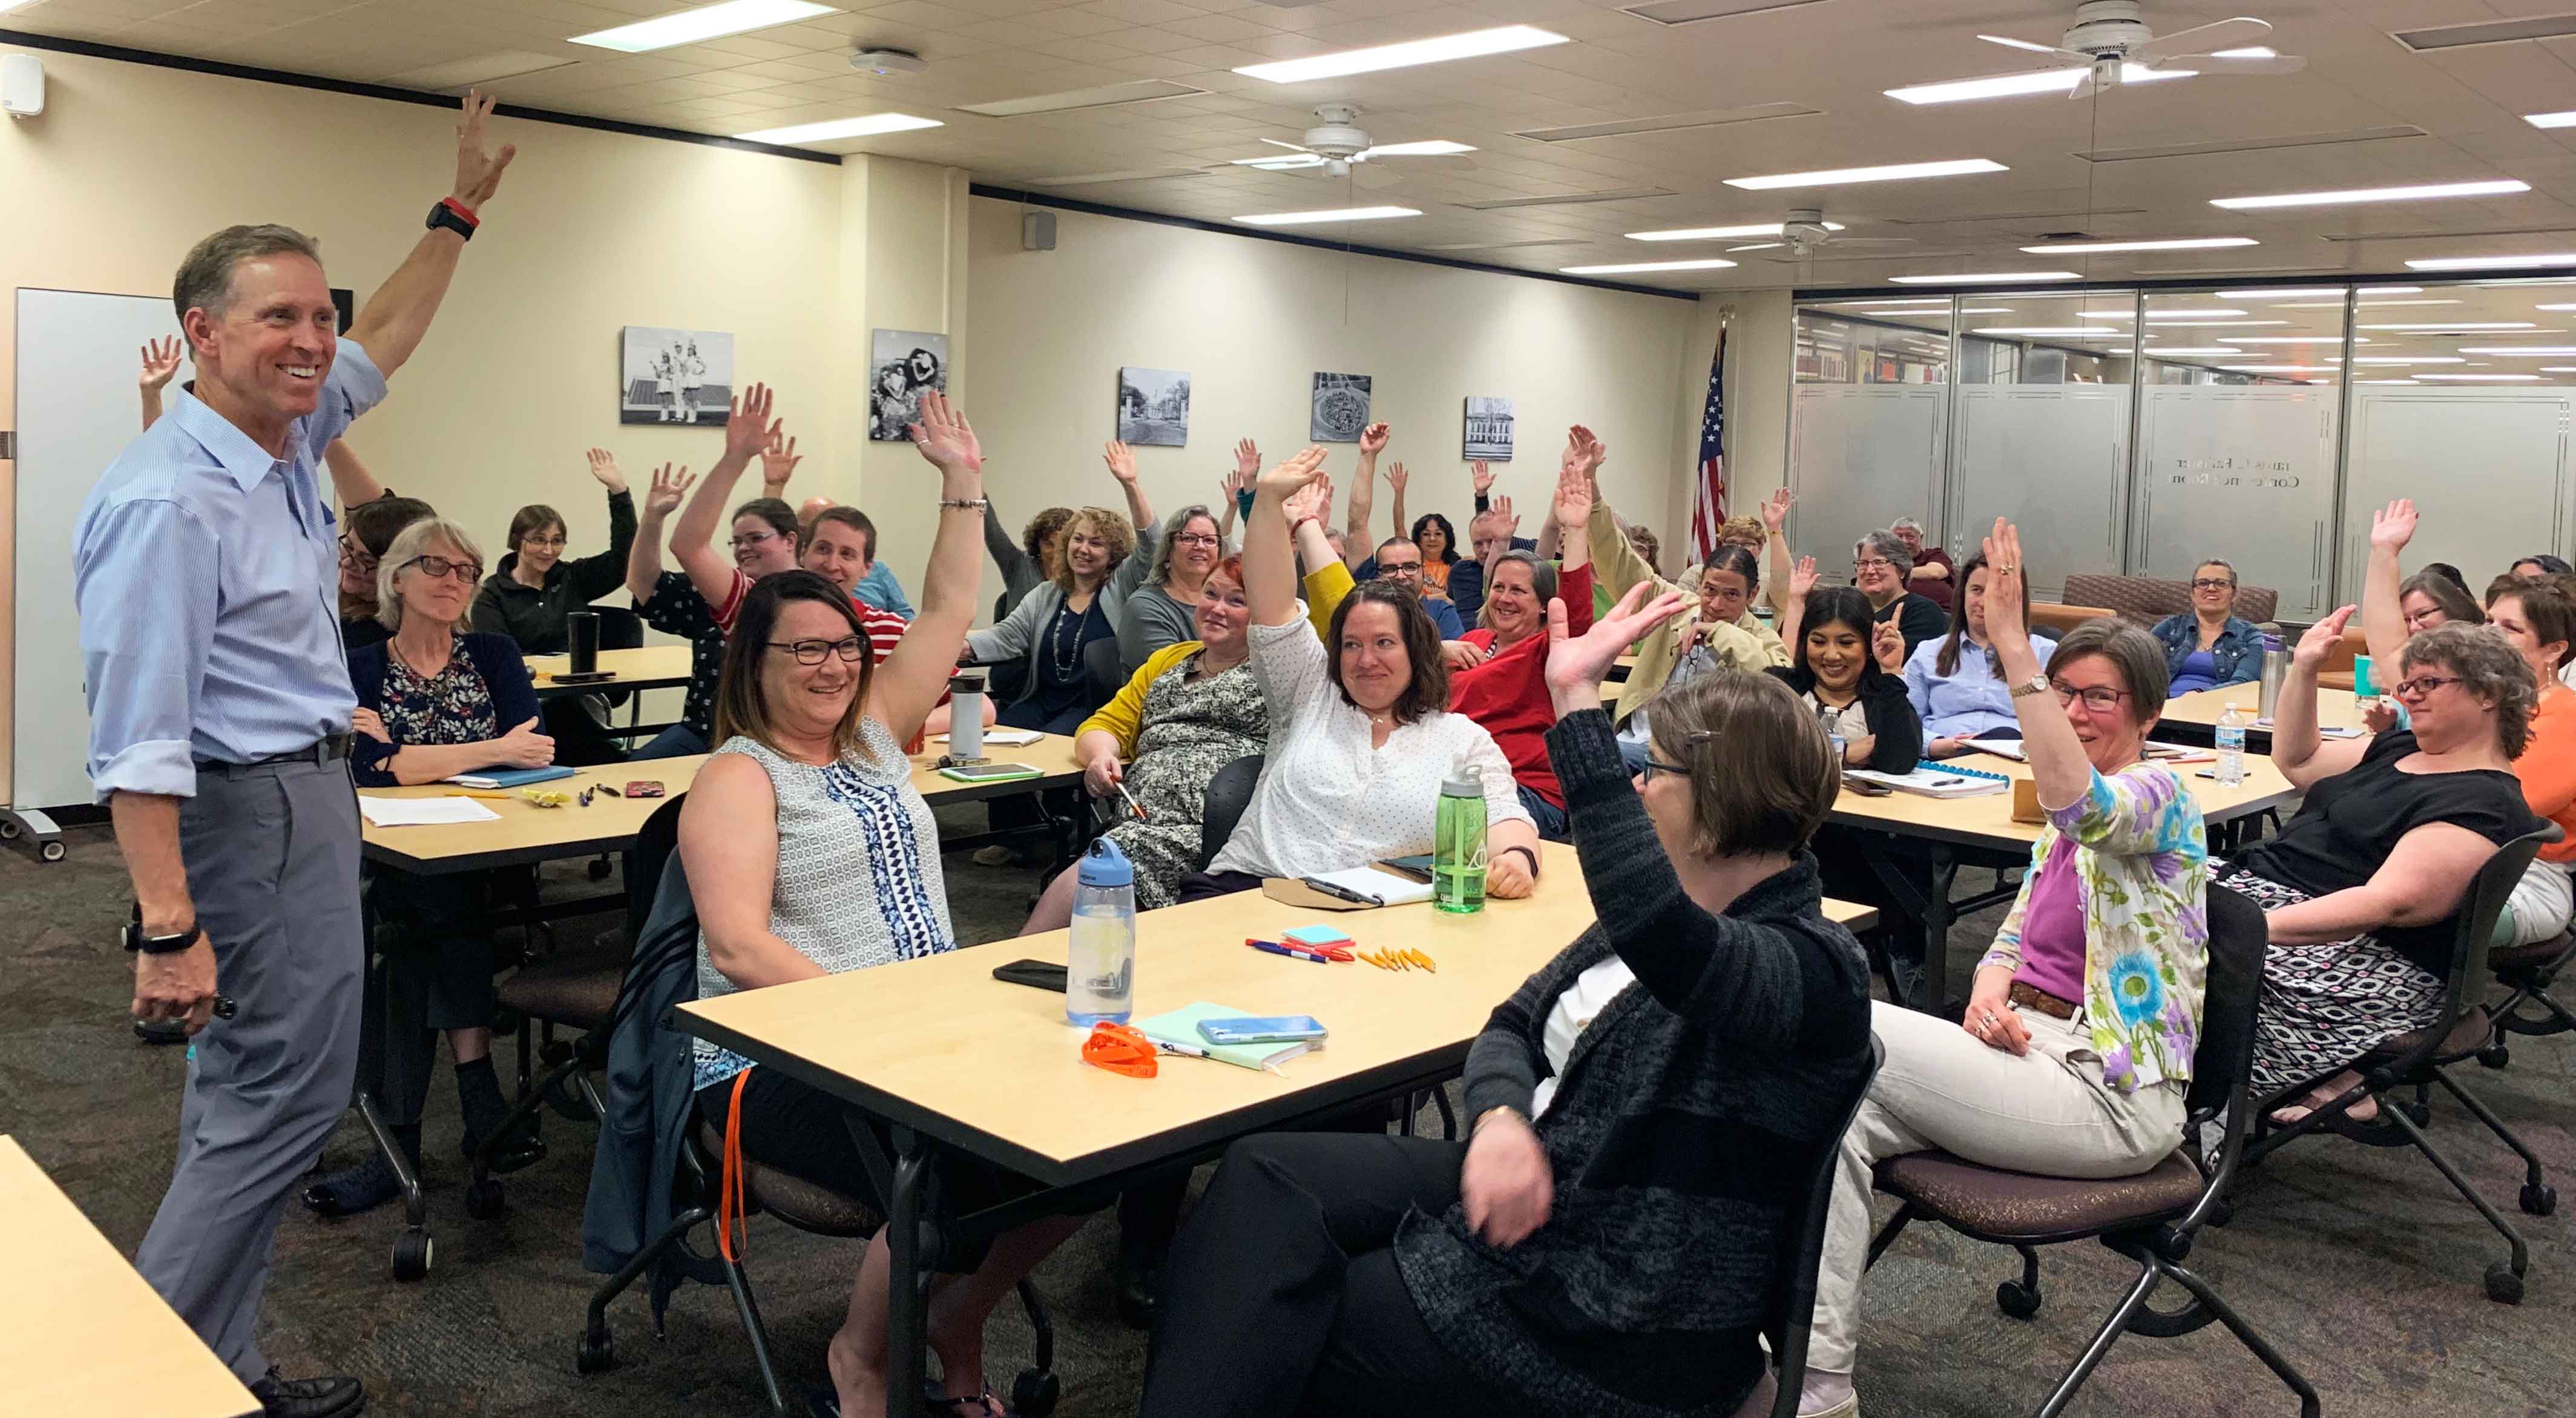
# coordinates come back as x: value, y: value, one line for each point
x: 2327, y: 1004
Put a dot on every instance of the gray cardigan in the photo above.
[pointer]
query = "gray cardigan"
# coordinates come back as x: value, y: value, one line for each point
x: 1151, y: 621
x: 1015, y: 636
x: 1683, y: 1136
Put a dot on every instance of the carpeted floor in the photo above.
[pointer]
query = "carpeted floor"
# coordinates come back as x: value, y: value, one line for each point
x: 2360, y: 1265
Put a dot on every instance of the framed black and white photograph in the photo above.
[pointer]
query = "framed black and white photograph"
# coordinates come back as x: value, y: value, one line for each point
x: 1489, y: 429
x: 1341, y: 408
x: 903, y: 365
x: 675, y: 376
x: 1154, y: 407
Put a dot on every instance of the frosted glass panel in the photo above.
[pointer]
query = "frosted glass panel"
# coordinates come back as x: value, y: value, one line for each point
x: 2050, y: 457
x: 2242, y: 472
x: 1859, y: 458
x: 2487, y: 469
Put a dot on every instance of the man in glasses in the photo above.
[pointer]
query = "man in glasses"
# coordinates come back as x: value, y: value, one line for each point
x: 219, y: 704
x: 1400, y: 561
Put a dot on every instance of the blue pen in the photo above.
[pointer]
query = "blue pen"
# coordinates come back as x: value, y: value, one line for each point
x: 1292, y: 953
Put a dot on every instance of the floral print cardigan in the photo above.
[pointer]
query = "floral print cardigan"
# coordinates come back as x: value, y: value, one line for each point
x: 2142, y: 875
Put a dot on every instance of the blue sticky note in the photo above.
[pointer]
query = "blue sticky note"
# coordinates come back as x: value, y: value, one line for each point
x: 1316, y: 935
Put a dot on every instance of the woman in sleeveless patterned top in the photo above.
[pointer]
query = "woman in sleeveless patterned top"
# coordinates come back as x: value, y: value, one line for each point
x: 810, y: 853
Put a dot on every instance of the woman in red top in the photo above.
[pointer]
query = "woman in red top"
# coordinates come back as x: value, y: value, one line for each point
x: 1497, y: 670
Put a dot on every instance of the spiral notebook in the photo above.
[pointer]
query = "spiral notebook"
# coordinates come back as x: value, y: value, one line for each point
x: 1937, y: 782
x: 509, y: 777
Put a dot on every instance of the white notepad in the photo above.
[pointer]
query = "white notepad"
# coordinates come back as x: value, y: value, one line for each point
x: 423, y: 812
x: 1006, y: 738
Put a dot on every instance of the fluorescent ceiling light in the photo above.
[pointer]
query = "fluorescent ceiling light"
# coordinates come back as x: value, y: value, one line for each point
x: 2387, y: 381
x: 2373, y: 194
x: 1897, y: 172
x: 2554, y: 307
x: 2159, y: 352
x: 2338, y: 305
x: 2187, y: 243
x: 1939, y: 300
x: 2475, y: 325
x: 1427, y: 148
x: 1339, y: 214
x: 2522, y: 351
x: 1984, y: 278
x: 2473, y: 263
x: 2291, y: 339
x: 2046, y: 331
x: 2558, y: 369
x: 2279, y: 368
x: 2286, y: 292
x: 2565, y: 118
x: 861, y: 127
x: 2406, y: 359
x: 2220, y: 324
x: 1471, y: 45
x: 2388, y: 290
x: 704, y: 22
x: 1717, y: 233
x: 1711, y: 264
x: 2038, y: 81
x: 2154, y: 315
x: 2485, y: 378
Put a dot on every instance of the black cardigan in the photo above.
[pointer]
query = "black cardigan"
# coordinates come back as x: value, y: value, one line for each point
x: 1892, y: 720
x: 534, y: 615
x: 1682, y: 1136
x: 495, y: 657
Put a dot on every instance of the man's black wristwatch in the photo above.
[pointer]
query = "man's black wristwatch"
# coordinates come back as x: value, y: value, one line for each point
x: 452, y: 214
x: 171, y: 944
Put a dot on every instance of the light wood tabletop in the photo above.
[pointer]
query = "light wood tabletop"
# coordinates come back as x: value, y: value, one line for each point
x: 528, y: 833
x: 940, y: 1045
x: 2202, y: 708
x: 80, y: 1332
x: 649, y: 667
x: 1987, y: 821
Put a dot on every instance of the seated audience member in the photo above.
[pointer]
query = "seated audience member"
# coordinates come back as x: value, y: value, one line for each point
x: 1711, y: 1024
x: 1957, y: 686
x: 1497, y: 671
x: 534, y: 588
x: 2531, y: 567
x: 1933, y: 575
x: 1398, y: 563
x: 1162, y: 611
x: 1722, y: 634
x: 1491, y: 530
x: 1433, y: 537
x: 1745, y: 532
x: 2210, y: 645
x: 2540, y: 622
x: 2392, y: 610
x: 876, y: 586
x: 1880, y: 566
x: 1844, y: 666
x: 1101, y: 564
x: 1359, y: 740
x: 433, y: 703
x: 1030, y: 561
x: 2365, y: 883
x: 809, y: 794
x: 2076, y: 1049
x: 698, y: 603
x: 2444, y: 568
x: 367, y: 530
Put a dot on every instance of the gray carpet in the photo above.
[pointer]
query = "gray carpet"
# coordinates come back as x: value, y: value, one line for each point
x: 2361, y: 1265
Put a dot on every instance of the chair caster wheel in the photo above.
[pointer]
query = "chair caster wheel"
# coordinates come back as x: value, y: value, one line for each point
x: 2495, y: 1056
x: 598, y: 1353
x: 2539, y: 1198
x: 2221, y: 1213
x: 599, y: 871
x: 2016, y: 1299
x: 1034, y: 1392
x: 2420, y: 1113
x: 412, y: 1252
x: 2503, y: 1286
x: 483, y: 1199
x: 50, y: 851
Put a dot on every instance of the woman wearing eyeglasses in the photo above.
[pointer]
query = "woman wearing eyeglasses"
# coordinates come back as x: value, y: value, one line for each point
x: 2364, y: 886
x: 367, y: 532
x: 433, y: 703
x: 1881, y: 564
x: 1104, y: 560
x: 2210, y: 645
x: 2076, y: 1049
x: 1164, y: 610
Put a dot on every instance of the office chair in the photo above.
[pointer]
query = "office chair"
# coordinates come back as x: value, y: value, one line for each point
x: 1788, y: 1327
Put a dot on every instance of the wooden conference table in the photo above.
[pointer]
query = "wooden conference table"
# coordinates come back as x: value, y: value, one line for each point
x: 957, y: 1061
x: 80, y: 1331
x: 648, y: 667
x: 2193, y: 718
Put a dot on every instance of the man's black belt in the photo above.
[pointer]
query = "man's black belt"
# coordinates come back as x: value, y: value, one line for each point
x: 330, y: 748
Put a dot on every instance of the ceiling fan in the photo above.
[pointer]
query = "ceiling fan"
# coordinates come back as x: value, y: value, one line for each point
x: 2112, y: 39
x: 1806, y: 232
x: 1338, y: 145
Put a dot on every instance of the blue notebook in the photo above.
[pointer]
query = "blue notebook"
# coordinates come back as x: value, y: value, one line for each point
x: 489, y: 778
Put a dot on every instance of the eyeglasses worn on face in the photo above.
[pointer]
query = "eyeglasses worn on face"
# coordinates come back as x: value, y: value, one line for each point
x: 2421, y: 686
x: 2099, y: 698
x: 1197, y: 539
x: 357, y: 555
x: 1410, y: 569
x: 811, y: 652
x: 547, y: 543
x: 467, y: 571
x: 1873, y: 563
x: 749, y: 540
x: 2212, y: 583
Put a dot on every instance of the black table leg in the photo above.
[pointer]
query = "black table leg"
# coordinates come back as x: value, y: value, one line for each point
x: 908, y: 1309
x: 1937, y: 913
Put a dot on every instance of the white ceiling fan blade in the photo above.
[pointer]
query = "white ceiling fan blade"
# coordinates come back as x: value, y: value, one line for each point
x: 1873, y: 241
x: 2202, y: 39
x: 1757, y: 246
x: 2033, y: 46
x: 2084, y: 88
x: 1292, y: 147
x: 2239, y: 64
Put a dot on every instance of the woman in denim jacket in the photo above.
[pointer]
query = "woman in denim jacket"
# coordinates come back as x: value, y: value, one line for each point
x: 2211, y: 646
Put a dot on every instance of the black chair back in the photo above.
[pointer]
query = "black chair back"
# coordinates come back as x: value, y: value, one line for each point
x: 2479, y: 909
x: 1102, y: 674
x: 1228, y: 794
x: 2238, y: 937
x: 1796, y: 1287
x: 655, y: 841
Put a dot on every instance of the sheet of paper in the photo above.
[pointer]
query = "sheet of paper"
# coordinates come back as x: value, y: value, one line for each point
x: 1008, y: 738
x: 423, y: 812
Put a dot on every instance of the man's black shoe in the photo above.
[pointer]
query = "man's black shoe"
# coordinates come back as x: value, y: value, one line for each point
x: 335, y: 1397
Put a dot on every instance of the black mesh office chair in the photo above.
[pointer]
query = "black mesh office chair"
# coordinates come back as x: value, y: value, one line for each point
x: 1794, y: 1292
x: 1228, y: 794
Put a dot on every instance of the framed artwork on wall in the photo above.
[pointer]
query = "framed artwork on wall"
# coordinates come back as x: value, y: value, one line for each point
x: 903, y: 365
x: 1154, y: 407
x: 1341, y: 408
x: 675, y: 376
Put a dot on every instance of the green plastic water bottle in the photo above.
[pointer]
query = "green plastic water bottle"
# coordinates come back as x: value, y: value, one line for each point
x: 1458, y: 842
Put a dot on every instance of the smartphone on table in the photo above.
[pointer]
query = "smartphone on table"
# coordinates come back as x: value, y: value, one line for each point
x: 1261, y: 1029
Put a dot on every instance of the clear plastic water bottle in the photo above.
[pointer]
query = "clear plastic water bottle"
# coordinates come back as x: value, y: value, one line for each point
x: 2231, y: 745
x: 1100, y: 958
x: 1458, y: 842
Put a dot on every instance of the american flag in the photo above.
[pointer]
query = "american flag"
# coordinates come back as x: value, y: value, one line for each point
x: 1708, y: 507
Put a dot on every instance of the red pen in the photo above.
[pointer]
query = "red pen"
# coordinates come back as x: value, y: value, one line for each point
x: 1293, y: 952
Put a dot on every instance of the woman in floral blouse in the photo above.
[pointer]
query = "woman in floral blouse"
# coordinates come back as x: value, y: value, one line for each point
x: 2076, y: 1049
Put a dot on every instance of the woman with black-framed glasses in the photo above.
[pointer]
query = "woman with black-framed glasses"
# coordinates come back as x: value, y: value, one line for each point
x: 2210, y: 645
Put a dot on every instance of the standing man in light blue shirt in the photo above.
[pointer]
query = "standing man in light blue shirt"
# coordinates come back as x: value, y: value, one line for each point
x: 219, y: 735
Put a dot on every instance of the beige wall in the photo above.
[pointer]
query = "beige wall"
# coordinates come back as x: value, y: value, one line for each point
x: 1251, y: 321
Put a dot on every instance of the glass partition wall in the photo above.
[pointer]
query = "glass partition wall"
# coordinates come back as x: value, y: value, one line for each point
x: 2143, y: 431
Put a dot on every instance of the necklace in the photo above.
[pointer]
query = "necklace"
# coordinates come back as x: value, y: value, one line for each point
x: 1065, y: 658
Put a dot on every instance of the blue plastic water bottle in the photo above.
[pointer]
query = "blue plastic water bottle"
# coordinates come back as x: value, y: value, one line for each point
x: 1100, y: 957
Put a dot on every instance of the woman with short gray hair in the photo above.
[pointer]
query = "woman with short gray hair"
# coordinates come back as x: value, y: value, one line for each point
x: 1881, y: 562
x: 2209, y: 645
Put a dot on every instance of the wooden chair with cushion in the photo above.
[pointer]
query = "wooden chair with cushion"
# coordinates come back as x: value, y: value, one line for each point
x: 2423, y: 1058
x: 2151, y: 1218
x: 2144, y: 600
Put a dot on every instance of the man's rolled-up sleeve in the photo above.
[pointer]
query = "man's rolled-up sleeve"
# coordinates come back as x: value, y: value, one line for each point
x: 146, y: 586
x: 353, y: 386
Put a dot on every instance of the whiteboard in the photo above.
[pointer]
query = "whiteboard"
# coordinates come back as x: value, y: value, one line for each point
x: 2488, y: 469
x: 2052, y: 457
x: 1859, y: 458
x: 78, y: 354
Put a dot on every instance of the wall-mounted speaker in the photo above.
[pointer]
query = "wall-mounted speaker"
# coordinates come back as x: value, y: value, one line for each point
x: 22, y: 85
x: 1037, y: 231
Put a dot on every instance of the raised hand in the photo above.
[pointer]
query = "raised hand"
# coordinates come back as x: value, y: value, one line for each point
x: 478, y: 173
x: 603, y: 466
x: 1247, y: 463
x: 778, y: 462
x: 1483, y: 473
x: 1887, y: 646
x: 668, y: 491
x: 2005, y: 621
x: 1287, y: 478
x: 2313, y: 647
x: 1505, y: 522
x: 1577, y: 663
x: 1802, y: 578
x: 1584, y: 454
x: 1314, y: 500
x: 1121, y: 460
x: 160, y: 362
x: 1373, y: 439
x: 1396, y: 478
x: 945, y: 439
x: 749, y: 428
x: 1775, y: 509
x: 1573, y: 506
x: 2394, y: 525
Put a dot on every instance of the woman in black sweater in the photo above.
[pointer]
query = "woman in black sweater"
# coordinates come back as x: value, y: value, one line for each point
x: 1847, y: 669
x: 1647, y: 1110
